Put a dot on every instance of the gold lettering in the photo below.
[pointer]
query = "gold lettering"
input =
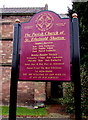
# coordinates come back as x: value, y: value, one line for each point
x: 58, y: 63
x: 32, y: 60
x: 47, y: 60
x: 41, y: 51
x: 57, y: 38
x: 27, y: 35
x: 39, y: 39
x: 50, y: 50
x: 43, y: 54
x: 45, y: 70
x: 42, y: 57
x: 51, y: 33
x: 55, y: 59
x: 52, y: 54
x: 62, y: 33
x: 40, y: 60
x: 24, y: 74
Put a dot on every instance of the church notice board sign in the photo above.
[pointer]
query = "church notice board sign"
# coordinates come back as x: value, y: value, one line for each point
x: 45, y: 48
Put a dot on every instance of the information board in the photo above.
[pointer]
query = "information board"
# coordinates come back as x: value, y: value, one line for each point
x: 45, y: 48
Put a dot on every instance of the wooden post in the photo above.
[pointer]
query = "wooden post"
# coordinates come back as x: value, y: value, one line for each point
x: 14, y: 74
x: 76, y: 67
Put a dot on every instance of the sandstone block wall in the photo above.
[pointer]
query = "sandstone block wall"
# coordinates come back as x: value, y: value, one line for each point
x: 28, y: 92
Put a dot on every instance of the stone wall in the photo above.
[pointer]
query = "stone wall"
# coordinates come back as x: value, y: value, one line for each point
x: 6, y: 52
x: 28, y: 92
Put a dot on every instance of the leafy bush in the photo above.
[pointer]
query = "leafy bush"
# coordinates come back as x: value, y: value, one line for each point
x: 68, y: 99
x: 84, y: 91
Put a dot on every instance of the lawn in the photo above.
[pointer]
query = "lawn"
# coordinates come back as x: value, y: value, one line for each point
x: 25, y: 111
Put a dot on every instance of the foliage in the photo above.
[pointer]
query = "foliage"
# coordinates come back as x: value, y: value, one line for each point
x: 81, y: 8
x: 26, y: 111
x: 84, y: 91
x: 84, y: 61
x: 69, y: 97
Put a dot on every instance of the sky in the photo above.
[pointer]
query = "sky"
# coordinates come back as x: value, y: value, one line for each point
x: 58, y: 6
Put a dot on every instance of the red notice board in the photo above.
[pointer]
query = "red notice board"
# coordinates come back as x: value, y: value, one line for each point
x: 45, y: 48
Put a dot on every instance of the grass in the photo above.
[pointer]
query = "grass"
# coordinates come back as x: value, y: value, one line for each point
x: 24, y: 111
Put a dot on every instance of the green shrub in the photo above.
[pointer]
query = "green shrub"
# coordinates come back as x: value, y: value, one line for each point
x: 68, y: 99
x: 84, y: 91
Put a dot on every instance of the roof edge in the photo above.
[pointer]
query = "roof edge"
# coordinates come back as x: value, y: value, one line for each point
x: 21, y: 10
